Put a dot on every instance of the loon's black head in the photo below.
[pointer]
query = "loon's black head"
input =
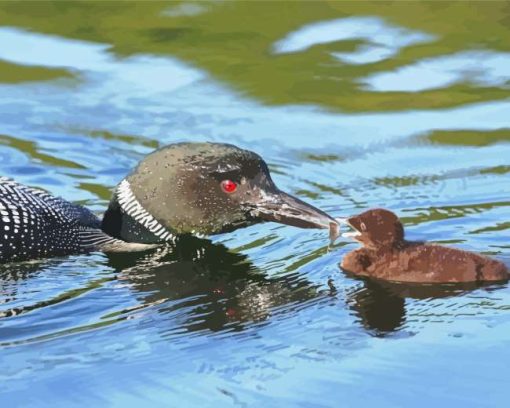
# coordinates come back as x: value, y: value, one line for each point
x: 201, y: 188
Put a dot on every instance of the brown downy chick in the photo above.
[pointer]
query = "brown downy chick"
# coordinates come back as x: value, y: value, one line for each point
x: 387, y: 255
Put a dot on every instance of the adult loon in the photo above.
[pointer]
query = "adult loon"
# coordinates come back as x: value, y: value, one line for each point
x: 182, y: 188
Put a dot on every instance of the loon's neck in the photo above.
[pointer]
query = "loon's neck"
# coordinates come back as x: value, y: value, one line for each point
x: 128, y: 220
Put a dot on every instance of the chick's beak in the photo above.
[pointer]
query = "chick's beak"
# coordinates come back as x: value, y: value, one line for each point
x: 355, y: 233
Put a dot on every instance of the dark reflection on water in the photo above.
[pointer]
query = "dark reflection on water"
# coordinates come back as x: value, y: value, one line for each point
x: 221, y: 289
x: 381, y: 306
x: 212, y: 288
x: 379, y: 310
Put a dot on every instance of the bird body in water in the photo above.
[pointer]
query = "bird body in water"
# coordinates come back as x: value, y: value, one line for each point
x: 182, y: 188
x: 386, y: 255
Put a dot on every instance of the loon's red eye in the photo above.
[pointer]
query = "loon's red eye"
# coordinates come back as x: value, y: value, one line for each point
x: 228, y: 186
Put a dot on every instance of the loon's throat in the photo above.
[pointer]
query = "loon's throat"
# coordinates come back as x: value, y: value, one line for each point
x: 128, y: 220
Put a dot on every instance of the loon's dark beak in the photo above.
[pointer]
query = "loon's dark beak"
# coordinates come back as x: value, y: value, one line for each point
x: 285, y: 209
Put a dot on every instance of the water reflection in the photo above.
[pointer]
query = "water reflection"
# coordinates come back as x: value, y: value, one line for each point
x: 338, y: 47
x: 465, y: 137
x: 381, y: 40
x: 481, y: 68
x: 216, y: 288
x: 198, y: 286
x: 205, y: 287
x: 381, y: 306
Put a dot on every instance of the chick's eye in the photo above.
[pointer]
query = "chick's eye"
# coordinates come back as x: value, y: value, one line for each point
x: 228, y: 186
x: 363, y: 227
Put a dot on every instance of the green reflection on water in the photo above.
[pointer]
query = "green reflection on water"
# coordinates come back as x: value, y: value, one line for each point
x: 469, y: 137
x: 498, y: 227
x: 130, y: 139
x: 12, y: 73
x: 233, y: 41
x: 33, y: 150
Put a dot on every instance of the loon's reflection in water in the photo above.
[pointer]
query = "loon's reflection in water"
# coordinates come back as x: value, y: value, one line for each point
x: 217, y: 288
x: 204, y: 286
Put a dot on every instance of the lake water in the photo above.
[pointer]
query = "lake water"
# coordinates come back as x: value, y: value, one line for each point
x: 353, y: 105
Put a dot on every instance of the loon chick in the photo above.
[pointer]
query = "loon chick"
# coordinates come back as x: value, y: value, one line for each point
x: 388, y: 256
x: 182, y: 188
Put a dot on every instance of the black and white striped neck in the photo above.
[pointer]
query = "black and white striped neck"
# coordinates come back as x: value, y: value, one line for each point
x: 128, y: 220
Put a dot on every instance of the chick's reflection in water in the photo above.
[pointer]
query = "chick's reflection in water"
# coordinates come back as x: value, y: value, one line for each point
x: 212, y: 286
x: 381, y: 306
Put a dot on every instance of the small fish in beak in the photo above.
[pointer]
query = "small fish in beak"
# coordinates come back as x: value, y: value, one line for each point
x: 334, y: 229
